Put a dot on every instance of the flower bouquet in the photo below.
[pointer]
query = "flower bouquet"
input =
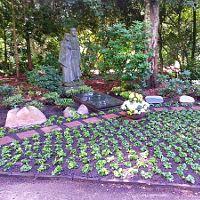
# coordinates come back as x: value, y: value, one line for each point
x: 135, y: 106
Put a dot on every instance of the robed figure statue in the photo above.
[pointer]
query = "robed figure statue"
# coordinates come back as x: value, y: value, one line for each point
x: 69, y: 57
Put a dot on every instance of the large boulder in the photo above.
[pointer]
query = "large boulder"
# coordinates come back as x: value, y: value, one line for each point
x: 26, y: 116
x: 83, y: 110
x: 154, y: 99
x: 186, y: 99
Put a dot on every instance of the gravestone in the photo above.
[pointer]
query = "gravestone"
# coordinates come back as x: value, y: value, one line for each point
x: 154, y: 99
x: 186, y: 99
x: 98, y: 101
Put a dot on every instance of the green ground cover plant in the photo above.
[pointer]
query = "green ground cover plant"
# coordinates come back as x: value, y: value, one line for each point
x: 78, y: 90
x: 164, y: 146
x: 54, y: 97
x: 46, y: 77
x: 6, y: 90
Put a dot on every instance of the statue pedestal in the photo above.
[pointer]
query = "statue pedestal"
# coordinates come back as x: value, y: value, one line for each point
x: 77, y: 87
x: 74, y: 84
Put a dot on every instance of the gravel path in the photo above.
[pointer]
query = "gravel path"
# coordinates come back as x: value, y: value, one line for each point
x: 26, y: 189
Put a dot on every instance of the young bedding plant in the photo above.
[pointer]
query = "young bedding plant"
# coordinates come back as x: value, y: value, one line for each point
x: 154, y: 148
x: 52, y: 120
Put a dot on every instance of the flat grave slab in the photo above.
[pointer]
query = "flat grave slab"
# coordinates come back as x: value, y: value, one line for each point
x: 97, y: 101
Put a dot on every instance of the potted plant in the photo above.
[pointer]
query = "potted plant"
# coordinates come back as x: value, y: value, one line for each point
x: 135, y: 106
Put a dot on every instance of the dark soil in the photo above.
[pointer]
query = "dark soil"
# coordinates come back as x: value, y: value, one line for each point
x: 3, y: 114
x: 101, y: 85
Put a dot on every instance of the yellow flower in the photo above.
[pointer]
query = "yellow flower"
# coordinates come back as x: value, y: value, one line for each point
x: 131, y: 96
x: 135, y: 99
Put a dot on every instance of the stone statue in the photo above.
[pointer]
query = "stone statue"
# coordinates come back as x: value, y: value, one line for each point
x: 69, y: 57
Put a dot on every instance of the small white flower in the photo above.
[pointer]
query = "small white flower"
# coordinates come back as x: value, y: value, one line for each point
x: 136, y: 112
x: 123, y: 106
x: 135, y: 107
x: 143, y: 110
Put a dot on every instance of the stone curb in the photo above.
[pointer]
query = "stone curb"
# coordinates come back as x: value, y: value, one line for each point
x: 102, y: 180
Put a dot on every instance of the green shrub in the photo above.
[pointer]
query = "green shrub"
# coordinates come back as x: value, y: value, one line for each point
x: 36, y: 104
x: 194, y: 68
x: 54, y: 97
x: 46, y: 77
x: 177, y: 86
x: 64, y: 102
x: 116, y: 90
x: 125, y: 53
x: 6, y: 90
x: 79, y: 90
x: 196, y: 89
x: 89, y: 55
x: 13, y: 101
x: 125, y: 94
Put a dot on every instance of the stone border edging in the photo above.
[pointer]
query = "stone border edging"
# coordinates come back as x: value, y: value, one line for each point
x: 102, y: 180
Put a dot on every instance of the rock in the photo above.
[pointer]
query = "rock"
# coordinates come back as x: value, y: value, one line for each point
x: 83, y: 110
x: 68, y: 112
x: 26, y: 116
x: 186, y: 99
x: 154, y: 99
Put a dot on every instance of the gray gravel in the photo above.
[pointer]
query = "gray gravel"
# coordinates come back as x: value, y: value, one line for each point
x: 26, y: 189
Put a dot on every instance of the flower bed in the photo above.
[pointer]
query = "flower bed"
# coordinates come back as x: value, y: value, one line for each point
x: 163, y: 147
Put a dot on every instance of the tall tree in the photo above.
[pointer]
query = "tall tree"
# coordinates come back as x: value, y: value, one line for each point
x: 5, y: 20
x: 27, y: 31
x: 152, y: 17
x: 194, y: 31
x: 15, y: 38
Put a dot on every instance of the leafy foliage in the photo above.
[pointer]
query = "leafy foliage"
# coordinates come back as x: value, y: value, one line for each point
x: 36, y: 104
x: 13, y: 101
x: 46, y: 77
x: 55, y: 98
x: 177, y: 86
x: 125, y: 52
x: 6, y: 90
x: 78, y: 90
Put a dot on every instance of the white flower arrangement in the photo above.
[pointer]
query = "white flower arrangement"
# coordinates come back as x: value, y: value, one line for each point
x: 135, y: 104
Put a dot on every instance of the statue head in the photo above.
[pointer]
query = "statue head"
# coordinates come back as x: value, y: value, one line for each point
x: 73, y: 32
x: 67, y: 36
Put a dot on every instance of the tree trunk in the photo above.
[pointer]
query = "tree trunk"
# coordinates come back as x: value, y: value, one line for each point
x: 152, y: 17
x: 15, y: 40
x: 5, y: 47
x: 27, y: 35
x: 194, y: 32
x: 29, y: 56
x: 160, y: 43
x: 162, y: 15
